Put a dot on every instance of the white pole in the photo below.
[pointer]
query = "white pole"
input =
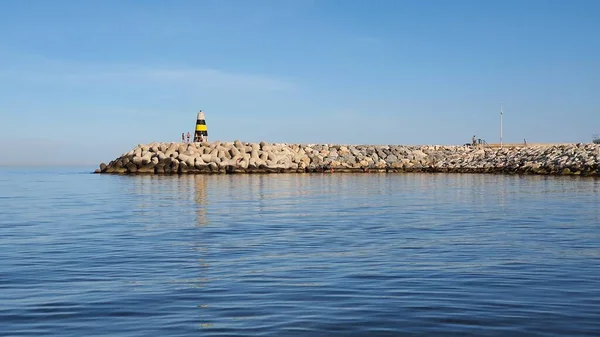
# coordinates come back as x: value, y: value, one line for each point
x: 501, y: 113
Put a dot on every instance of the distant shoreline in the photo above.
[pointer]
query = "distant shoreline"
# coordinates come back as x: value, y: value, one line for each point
x: 237, y: 157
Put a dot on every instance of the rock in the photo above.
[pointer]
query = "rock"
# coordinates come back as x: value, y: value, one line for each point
x: 183, y: 157
x: 418, y: 154
x: 219, y: 157
x: 146, y: 169
x: 206, y: 158
x: 190, y: 161
x: 234, y: 151
x: 146, y: 158
x: 173, y: 148
x: 137, y: 160
x: 131, y: 168
x: 199, y: 163
x: 391, y: 159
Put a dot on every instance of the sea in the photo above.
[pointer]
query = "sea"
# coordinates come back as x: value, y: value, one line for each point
x: 324, y: 254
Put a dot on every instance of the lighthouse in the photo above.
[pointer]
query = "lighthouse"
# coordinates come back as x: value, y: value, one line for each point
x: 201, y: 134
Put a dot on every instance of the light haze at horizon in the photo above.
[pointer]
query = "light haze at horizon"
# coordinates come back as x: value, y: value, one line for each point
x: 83, y: 82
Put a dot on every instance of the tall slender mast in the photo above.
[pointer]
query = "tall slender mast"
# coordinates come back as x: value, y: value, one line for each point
x: 501, y: 113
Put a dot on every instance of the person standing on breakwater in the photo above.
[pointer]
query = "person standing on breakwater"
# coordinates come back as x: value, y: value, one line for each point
x: 183, y: 137
x: 188, y: 137
x: 474, y: 141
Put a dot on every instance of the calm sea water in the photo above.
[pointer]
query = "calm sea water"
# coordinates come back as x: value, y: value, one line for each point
x: 298, y: 255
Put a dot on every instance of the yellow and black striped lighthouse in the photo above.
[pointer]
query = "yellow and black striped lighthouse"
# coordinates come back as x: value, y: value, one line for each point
x: 201, y: 134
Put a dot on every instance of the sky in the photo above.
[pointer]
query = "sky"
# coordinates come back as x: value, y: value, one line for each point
x: 82, y: 82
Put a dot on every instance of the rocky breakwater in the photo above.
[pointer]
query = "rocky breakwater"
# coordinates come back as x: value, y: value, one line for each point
x: 239, y: 157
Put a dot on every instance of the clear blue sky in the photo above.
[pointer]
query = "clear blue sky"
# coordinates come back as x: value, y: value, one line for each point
x: 83, y: 81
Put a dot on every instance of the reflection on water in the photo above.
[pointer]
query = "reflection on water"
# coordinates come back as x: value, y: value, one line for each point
x: 258, y: 190
x: 199, y: 189
x: 298, y: 255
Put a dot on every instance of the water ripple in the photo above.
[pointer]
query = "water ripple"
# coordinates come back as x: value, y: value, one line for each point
x: 298, y: 255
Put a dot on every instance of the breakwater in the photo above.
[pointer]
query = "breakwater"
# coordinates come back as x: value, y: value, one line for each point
x: 238, y: 157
